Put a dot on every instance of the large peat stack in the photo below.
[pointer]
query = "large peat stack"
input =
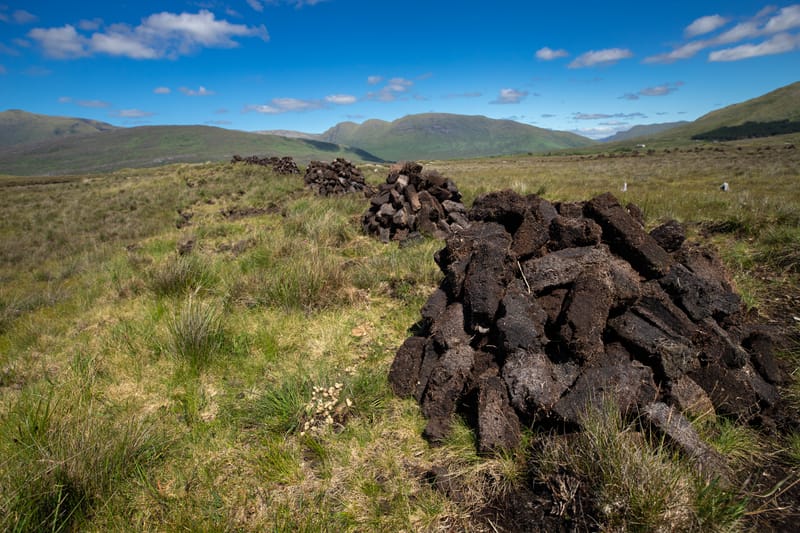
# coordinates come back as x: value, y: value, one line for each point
x: 337, y: 177
x: 414, y: 201
x: 547, y: 309
x: 281, y: 165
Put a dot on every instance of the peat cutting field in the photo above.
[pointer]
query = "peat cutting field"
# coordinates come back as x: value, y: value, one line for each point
x: 223, y: 347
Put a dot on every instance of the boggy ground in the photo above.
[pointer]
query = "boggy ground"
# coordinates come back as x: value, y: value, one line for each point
x: 243, y: 385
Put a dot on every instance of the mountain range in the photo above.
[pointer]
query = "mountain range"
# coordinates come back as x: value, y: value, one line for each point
x: 32, y: 144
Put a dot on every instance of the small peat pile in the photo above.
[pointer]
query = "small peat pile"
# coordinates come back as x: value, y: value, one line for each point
x: 414, y: 201
x: 547, y: 309
x: 281, y: 165
x: 337, y: 177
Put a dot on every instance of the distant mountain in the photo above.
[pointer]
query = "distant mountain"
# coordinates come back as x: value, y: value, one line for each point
x: 146, y: 146
x: 19, y: 127
x: 778, y: 105
x: 447, y: 136
x: 643, y: 130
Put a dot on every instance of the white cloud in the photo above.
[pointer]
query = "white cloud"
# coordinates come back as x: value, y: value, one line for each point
x: 600, y: 57
x: 159, y: 35
x: 743, y: 30
x: 340, y: 99
x: 779, y: 44
x: 131, y: 113
x: 399, y: 85
x: 661, y: 90
x: 284, y: 105
x: 60, y: 43
x: 256, y: 5
x: 548, y: 54
x: 24, y: 17
x: 684, y: 52
x: 510, y: 96
x: 705, y: 25
x: 393, y: 87
x: 122, y: 44
x: 94, y: 104
x: 162, y: 90
x: 767, y: 22
x: 787, y: 18
x: 202, y: 91
x: 602, y: 116
x: 64, y: 99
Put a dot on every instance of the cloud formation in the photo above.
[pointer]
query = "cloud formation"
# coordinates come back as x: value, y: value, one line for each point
x: 161, y: 35
x: 390, y: 92
x: 609, y: 56
x: 284, y: 105
x: 779, y: 44
x: 341, y: 99
x: 777, y: 31
x: 704, y: 25
x: 548, y: 54
x: 657, y: 90
x: 201, y: 91
x: 604, y: 116
x: 94, y: 104
x: 162, y: 90
x: 131, y: 113
x: 510, y: 96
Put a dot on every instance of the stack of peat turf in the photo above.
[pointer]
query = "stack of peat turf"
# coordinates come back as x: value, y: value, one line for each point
x: 412, y: 201
x: 281, y: 165
x: 548, y: 309
x: 337, y: 177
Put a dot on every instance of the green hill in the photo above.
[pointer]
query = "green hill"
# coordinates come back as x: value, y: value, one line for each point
x: 147, y: 146
x: 778, y: 105
x: 643, y: 130
x: 20, y: 127
x: 447, y: 136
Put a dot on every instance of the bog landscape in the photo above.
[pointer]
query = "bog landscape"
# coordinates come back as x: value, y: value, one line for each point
x: 441, y: 323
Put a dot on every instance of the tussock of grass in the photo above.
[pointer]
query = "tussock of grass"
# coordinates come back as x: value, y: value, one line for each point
x: 197, y: 332
x: 63, y: 457
x: 179, y: 275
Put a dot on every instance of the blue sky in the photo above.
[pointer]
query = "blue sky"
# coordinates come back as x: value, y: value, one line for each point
x: 589, y: 67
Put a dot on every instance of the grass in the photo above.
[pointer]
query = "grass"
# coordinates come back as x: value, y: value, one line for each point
x: 198, y: 333
x: 65, y: 456
x: 196, y: 382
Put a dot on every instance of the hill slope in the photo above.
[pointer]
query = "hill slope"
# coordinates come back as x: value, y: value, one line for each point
x: 19, y: 127
x: 780, y: 104
x: 146, y: 146
x: 447, y: 136
x: 643, y: 130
